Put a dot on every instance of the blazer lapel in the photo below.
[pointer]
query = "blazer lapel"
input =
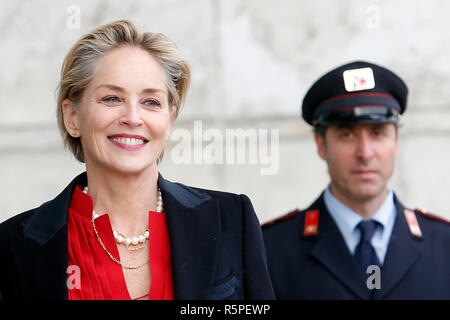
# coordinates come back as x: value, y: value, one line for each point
x: 193, y: 220
x: 41, y: 258
x: 334, y: 255
x: 42, y: 268
x: 401, y: 255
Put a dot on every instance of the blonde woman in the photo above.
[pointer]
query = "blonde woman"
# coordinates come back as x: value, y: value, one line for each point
x: 120, y: 230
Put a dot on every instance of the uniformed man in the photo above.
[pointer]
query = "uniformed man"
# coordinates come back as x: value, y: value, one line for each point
x: 357, y: 240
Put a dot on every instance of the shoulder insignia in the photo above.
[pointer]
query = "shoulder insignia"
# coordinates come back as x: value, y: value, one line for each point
x: 311, y: 226
x: 285, y: 217
x: 425, y: 214
x: 413, y: 225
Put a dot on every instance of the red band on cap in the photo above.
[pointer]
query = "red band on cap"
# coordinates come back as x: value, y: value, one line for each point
x: 353, y: 107
x: 359, y: 94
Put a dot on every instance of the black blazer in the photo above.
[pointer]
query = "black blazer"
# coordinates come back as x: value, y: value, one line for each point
x: 322, y: 267
x: 216, y: 246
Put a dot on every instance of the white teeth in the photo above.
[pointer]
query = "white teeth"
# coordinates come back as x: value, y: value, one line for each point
x: 129, y: 141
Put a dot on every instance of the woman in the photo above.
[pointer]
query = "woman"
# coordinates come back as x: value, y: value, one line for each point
x: 120, y: 230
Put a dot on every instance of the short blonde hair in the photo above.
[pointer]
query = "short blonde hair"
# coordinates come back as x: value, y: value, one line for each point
x: 81, y: 61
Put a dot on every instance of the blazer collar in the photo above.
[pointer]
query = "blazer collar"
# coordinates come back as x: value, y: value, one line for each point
x: 42, y: 262
x: 51, y: 216
x: 193, y: 219
x: 186, y: 197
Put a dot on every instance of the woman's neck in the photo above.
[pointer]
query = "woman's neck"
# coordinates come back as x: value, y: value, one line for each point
x: 127, y: 198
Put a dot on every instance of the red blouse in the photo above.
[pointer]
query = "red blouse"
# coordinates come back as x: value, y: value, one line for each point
x: 100, y: 277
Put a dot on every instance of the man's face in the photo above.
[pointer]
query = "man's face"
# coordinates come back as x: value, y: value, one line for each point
x: 360, y: 159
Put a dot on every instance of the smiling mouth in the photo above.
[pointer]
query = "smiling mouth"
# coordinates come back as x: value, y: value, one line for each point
x: 128, y: 141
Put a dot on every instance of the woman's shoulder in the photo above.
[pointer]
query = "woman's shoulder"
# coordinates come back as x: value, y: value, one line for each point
x: 227, y: 201
x: 220, y: 195
x: 34, y: 223
x: 15, y: 222
x: 193, y: 196
x: 13, y: 226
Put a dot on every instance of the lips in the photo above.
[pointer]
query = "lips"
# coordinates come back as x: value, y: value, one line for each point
x: 364, y: 173
x: 128, y: 141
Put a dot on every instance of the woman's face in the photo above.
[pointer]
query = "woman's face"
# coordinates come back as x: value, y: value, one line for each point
x: 124, y: 116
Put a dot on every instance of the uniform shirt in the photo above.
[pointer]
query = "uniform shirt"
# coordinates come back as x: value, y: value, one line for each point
x: 347, y: 221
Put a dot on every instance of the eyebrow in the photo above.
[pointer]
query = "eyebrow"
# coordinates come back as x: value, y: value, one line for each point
x: 372, y: 126
x: 345, y: 126
x: 120, y: 89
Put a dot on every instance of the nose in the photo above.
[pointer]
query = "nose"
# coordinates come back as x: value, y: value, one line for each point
x: 364, y: 147
x: 130, y: 115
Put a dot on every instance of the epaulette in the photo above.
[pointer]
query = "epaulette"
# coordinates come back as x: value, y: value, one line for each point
x: 413, y: 224
x: 285, y: 217
x: 425, y: 214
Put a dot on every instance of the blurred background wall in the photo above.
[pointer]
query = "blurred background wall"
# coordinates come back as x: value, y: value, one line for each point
x: 252, y: 61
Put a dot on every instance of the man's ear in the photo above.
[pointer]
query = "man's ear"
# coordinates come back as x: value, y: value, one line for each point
x: 321, y: 146
x: 397, y: 145
x: 71, y: 118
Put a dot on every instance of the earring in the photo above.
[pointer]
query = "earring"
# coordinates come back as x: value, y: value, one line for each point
x: 74, y: 135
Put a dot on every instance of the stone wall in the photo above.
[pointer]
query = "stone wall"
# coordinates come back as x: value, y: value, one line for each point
x: 252, y: 61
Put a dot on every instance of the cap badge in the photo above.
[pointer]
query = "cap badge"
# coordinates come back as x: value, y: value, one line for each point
x: 359, y: 79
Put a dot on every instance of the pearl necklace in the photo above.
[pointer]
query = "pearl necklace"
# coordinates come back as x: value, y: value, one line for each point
x: 94, y: 216
x: 120, y: 237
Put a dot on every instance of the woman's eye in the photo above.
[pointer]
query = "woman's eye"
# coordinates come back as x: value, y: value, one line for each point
x: 152, y: 103
x: 111, y: 100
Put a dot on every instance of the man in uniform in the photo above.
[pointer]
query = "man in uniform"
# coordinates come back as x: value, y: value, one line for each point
x: 357, y: 240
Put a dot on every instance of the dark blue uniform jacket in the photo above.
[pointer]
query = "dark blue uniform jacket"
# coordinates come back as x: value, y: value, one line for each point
x: 322, y: 267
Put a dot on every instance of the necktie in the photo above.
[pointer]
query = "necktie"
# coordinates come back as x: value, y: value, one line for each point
x: 365, y: 253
